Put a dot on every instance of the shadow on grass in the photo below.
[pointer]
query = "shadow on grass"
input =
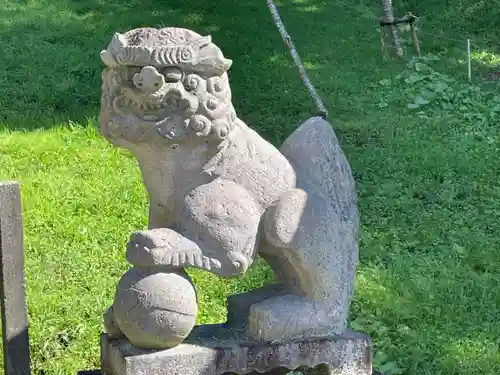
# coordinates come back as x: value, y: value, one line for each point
x: 50, y: 52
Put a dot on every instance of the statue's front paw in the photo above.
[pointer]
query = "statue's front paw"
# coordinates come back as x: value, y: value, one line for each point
x: 139, y: 250
x: 166, y: 248
x: 147, y: 248
x: 153, y: 238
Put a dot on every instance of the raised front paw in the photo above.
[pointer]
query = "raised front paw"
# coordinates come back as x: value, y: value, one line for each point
x: 148, y: 248
x: 165, y: 247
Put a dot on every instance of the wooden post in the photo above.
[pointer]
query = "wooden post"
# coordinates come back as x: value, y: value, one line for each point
x: 416, y: 44
x: 409, y: 19
x: 12, y: 283
x: 382, y: 41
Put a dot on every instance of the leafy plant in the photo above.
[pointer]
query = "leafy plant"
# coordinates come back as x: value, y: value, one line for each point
x: 436, y: 93
x: 382, y: 363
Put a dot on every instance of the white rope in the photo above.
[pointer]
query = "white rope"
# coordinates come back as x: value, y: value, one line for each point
x: 296, y: 58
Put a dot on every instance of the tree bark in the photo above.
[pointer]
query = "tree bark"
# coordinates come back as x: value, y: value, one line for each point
x: 388, y: 16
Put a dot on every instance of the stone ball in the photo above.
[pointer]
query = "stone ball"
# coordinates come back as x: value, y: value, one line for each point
x: 155, y: 309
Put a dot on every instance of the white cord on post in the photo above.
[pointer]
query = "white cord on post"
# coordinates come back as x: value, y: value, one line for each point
x: 296, y: 58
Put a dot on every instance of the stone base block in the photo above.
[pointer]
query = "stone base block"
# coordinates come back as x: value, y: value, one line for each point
x: 216, y: 350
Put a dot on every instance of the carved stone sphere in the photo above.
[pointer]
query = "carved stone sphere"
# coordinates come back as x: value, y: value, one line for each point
x: 155, y: 310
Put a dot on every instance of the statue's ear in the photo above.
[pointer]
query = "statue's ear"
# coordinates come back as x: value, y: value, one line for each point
x: 108, y: 59
x: 204, y: 41
x: 119, y: 40
x: 227, y: 64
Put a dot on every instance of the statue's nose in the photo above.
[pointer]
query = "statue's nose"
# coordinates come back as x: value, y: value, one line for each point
x: 148, y: 80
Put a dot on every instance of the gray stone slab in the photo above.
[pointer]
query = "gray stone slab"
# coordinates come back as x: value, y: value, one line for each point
x: 99, y: 372
x: 216, y: 350
x: 12, y: 282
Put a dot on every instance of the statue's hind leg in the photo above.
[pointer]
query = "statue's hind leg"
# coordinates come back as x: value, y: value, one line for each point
x: 312, y: 257
x: 292, y: 314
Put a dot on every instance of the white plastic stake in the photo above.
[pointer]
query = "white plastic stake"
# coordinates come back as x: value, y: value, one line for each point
x: 469, y: 60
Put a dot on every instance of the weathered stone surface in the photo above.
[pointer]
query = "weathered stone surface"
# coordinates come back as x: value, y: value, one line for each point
x: 320, y: 369
x: 319, y: 223
x: 215, y: 350
x: 16, y: 348
x: 220, y: 194
x: 154, y: 308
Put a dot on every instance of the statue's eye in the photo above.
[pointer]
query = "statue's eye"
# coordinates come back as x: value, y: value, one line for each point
x: 191, y: 82
x: 172, y: 74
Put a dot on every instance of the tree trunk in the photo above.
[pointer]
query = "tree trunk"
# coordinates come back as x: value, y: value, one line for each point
x: 388, y: 16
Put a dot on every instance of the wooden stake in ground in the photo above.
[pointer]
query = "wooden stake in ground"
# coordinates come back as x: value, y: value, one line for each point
x: 409, y: 19
x: 388, y: 17
x: 382, y: 40
x: 12, y: 283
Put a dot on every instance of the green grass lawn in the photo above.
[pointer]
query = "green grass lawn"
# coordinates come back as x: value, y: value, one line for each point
x: 429, y: 196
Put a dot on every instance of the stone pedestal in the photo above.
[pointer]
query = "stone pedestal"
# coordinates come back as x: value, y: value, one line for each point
x: 216, y: 350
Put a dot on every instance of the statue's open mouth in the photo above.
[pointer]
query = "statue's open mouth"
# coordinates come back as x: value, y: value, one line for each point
x: 153, y: 108
x: 169, y: 115
x: 150, y: 107
x: 144, y: 111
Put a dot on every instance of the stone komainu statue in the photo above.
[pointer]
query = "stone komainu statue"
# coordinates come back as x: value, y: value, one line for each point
x: 220, y: 194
